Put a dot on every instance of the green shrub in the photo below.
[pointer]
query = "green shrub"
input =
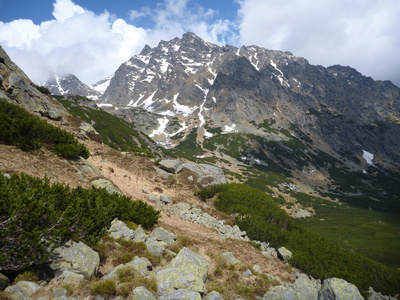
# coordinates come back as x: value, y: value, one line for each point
x: 104, y: 288
x: 19, y: 128
x: 263, y: 220
x: 34, y: 214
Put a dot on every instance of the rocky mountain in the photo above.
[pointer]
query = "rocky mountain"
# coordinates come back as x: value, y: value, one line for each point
x: 267, y: 109
x: 70, y: 84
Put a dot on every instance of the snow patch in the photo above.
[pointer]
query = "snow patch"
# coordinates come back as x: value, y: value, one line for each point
x: 149, y: 101
x: 163, y: 124
x: 368, y: 157
x: 104, y: 105
x: 229, y: 128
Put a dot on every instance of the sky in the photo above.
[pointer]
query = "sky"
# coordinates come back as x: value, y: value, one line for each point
x: 91, y: 39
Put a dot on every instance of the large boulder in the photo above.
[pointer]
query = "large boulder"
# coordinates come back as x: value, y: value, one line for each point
x: 161, y: 235
x: 206, y: 174
x: 155, y: 248
x: 338, y: 289
x: 139, y: 265
x: 22, y: 290
x: 171, y: 165
x: 75, y: 257
x: 118, y: 229
x: 181, y: 294
x: 284, y: 254
x: 188, y: 271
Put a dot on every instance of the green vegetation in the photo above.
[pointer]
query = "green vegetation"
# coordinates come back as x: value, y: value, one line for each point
x: 19, y: 128
x: 188, y: 148
x: 34, y: 215
x: 263, y: 220
x: 42, y: 89
x: 115, y: 132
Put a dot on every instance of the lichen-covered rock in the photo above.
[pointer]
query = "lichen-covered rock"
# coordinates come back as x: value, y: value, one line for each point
x: 188, y: 270
x: 181, y: 294
x: 139, y: 265
x: 213, y: 296
x: 108, y: 185
x: 59, y: 292
x: 164, y: 174
x: 338, y: 289
x: 166, y: 199
x: 71, y: 278
x: 4, y: 282
x: 161, y: 235
x: 140, y: 235
x: 141, y: 293
x: 75, y: 257
x: 171, y: 165
x: 230, y: 258
x: 22, y: 290
x: 118, y: 229
x: 372, y: 295
x: 206, y: 174
x: 156, y: 248
x: 247, y: 273
x: 284, y: 254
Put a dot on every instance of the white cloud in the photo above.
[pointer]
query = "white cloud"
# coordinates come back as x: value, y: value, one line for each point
x: 363, y: 34
x: 92, y: 46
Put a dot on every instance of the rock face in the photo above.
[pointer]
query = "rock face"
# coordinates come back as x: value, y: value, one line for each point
x: 75, y: 257
x: 17, y: 88
x: 187, y: 271
x: 206, y: 174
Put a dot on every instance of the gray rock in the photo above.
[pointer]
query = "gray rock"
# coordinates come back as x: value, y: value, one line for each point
x: 213, y: 296
x: 182, y: 206
x: 284, y: 254
x: 54, y: 114
x: 161, y: 235
x: 59, y: 292
x: 171, y: 165
x: 141, y: 293
x: 196, y: 211
x: 108, y: 185
x: 338, y: 289
x: 63, y: 298
x: 154, y: 199
x: 22, y: 290
x: 89, y: 167
x: 181, y: 294
x: 257, y: 269
x: 118, y: 229
x: 140, y: 235
x: 247, y: 273
x: 163, y: 173
x: 138, y: 265
x: 190, y: 178
x: 372, y: 295
x: 307, y: 287
x: 87, y: 129
x: 155, y: 248
x: 166, y: 199
x: 75, y: 257
x: 206, y: 174
x: 4, y: 282
x: 71, y: 278
x: 187, y: 270
x: 230, y: 258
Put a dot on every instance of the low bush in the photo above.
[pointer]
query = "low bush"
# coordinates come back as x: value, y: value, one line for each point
x: 35, y: 214
x: 27, y: 132
x: 263, y: 220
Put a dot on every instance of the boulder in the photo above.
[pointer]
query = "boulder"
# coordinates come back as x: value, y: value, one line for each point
x: 141, y: 293
x: 71, y: 278
x: 118, y: 229
x: 75, y: 257
x: 106, y: 184
x: 4, y: 282
x: 154, y: 199
x: 338, y: 289
x: 155, y: 248
x: 171, y: 165
x: 372, y: 295
x: 139, y: 265
x: 59, y: 292
x: 307, y: 287
x: 284, y: 254
x: 247, y: 273
x: 230, y: 258
x: 164, y: 174
x: 22, y: 290
x: 188, y: 270
x: 161, y: 235
x: 140, y: 235
x: 166, y: 199
x: 213, y: 296
x: 181, y: 294
x: 206, y: 174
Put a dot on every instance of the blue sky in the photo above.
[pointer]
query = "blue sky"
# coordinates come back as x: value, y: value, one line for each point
x: 92, y: 38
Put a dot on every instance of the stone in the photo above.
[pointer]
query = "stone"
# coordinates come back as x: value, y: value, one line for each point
x: 4, y: 281
x: 140, y: 235
x: 190, y: 178
x: 22, y: 290
x: 106, y: 184
x: 247, y: 273
x: 154, y: 199
x: 155, y: 248
x: 164, y: 174
x: 284, y: 254
x: 335, y: 288
x: 141, y: 293
x: 230, y: 258
x: 87, y: 129
x: 166, y: 199
x: 182, y: 206
x: 59, y: 292
x: 75, y: 257
x: 171, y: 165
x: 54, y: 114
x: 188, y: 270
x: 213, y: 296
x: 71, y: 278
x: 257, y: 269
x: 161, y: 235
x: 196, y: 211
x: 372, y: 295
x: 139, y: 265
x: 119, y: 229
x: 88, y: 167
x: 181, y: 294
x: 206, y: 174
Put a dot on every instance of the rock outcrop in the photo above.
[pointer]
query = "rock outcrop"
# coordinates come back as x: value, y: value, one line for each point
x: 335, y: 288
